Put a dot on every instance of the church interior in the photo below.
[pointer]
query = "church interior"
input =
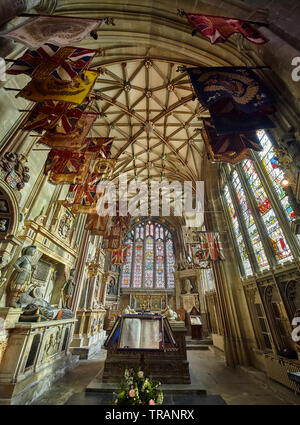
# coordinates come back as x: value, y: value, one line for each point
x: 206, y: 303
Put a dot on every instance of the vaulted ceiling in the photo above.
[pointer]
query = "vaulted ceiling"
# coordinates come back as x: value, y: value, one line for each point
x: 149, y: 109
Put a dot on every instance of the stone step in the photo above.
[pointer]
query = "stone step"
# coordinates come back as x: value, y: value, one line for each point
x: 204, y: 341
x: 197, y: 347
x: 199, y: 342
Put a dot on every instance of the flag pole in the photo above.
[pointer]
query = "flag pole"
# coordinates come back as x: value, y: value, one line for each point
x: 107, y: 20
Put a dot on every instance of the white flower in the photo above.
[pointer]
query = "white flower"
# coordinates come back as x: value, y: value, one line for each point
x: 140, y: 374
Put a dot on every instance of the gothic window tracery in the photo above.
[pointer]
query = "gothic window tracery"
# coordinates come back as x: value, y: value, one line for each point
x: 267, y: 207
x: 150, y: 258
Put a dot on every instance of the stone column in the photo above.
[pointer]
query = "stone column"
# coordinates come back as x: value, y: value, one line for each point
x: 80, y: 270
x: 177, y: 290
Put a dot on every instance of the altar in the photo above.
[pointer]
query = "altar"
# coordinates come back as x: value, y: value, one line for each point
x: 151, y: 341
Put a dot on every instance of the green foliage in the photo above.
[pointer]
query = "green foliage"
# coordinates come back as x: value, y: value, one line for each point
x: 137, y: 388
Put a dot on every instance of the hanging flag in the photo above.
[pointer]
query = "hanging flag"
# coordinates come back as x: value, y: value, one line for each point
x: 209, y: 248
x: 118, y: 257
x: 49, y: 114
x: 231, y: 148
x: 67, y: 166
x: 96, y: 224
x: 190, y: 234
x: 86, y: 196
x: 227, y: 118
x: 218, y: 28
x: 101, y: 145
x: 58, y: 30
x: 62, y: 63
x: 240, y: 85
x: 112, y: 240
x: 113, y: 237
x: 74, y: 92
x: 74, y: 139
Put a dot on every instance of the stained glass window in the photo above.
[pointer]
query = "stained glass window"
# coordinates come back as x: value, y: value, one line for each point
x: 249, y: 221
x: 239, y: 238
x: 170, y: 260
x: 270, y: 163
x: 126, y: 270
x: 138, y: 257
x: 274, y: 230
x: 150, y: 259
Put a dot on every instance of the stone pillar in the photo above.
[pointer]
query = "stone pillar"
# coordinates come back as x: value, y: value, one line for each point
x: 177, y: 289
x: 80, y: 269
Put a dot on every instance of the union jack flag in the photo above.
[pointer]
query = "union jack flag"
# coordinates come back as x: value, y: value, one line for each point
x: 62, y: 63
x: 63, y: 161
x: 100, y: 145
x: 86, y: 196
x: 50, y: 113
x: 118, y: 256
x: 209, y: 247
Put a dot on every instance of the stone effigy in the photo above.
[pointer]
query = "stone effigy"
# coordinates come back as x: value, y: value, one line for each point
x: 36, y: 309
x: 169, y: 313
x: 22, y: 278
x: 127, y: 310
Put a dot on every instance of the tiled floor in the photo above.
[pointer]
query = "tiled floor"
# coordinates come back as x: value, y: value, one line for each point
x: 207, y: 370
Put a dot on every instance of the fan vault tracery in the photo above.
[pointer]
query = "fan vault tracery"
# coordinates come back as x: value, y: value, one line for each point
x: 149, y: 110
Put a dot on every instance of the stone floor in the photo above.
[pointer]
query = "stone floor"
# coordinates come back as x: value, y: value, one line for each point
x: 208, y: 371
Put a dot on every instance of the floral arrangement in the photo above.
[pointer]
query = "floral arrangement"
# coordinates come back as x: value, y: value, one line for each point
x: 138, y: 389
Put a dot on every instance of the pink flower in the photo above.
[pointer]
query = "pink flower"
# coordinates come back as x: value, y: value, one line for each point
x: 152, y: 402
x: 131, y: 393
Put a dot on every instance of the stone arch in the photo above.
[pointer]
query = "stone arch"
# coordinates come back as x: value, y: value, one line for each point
x: 158, y: 26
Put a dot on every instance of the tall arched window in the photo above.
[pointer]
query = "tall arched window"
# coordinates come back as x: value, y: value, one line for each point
x: 150, y: 257
x: 259, y: 180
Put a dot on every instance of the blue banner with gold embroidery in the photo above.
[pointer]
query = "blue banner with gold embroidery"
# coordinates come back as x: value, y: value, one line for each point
x: 241, y: 85
x: 227, y: 118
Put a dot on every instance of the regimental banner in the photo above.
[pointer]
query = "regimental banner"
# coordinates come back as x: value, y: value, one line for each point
x: 96, y: 224
x: 100, y: 145
x: 85, y: 194
x: 113, y: 237
x: 58, y: 30
x: 190, y: 235
x: 112, y: 240
x: 218, y: 28
x: 49, y: 89
x: 72, y: 140
x: 228, y: 119
x: 209, y: 248
x: 231, y: 148
x: 240, y: 85
x: 49, y: 114
x: 62, y: 63
x: 67, y: 167
x: 118, y: 257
